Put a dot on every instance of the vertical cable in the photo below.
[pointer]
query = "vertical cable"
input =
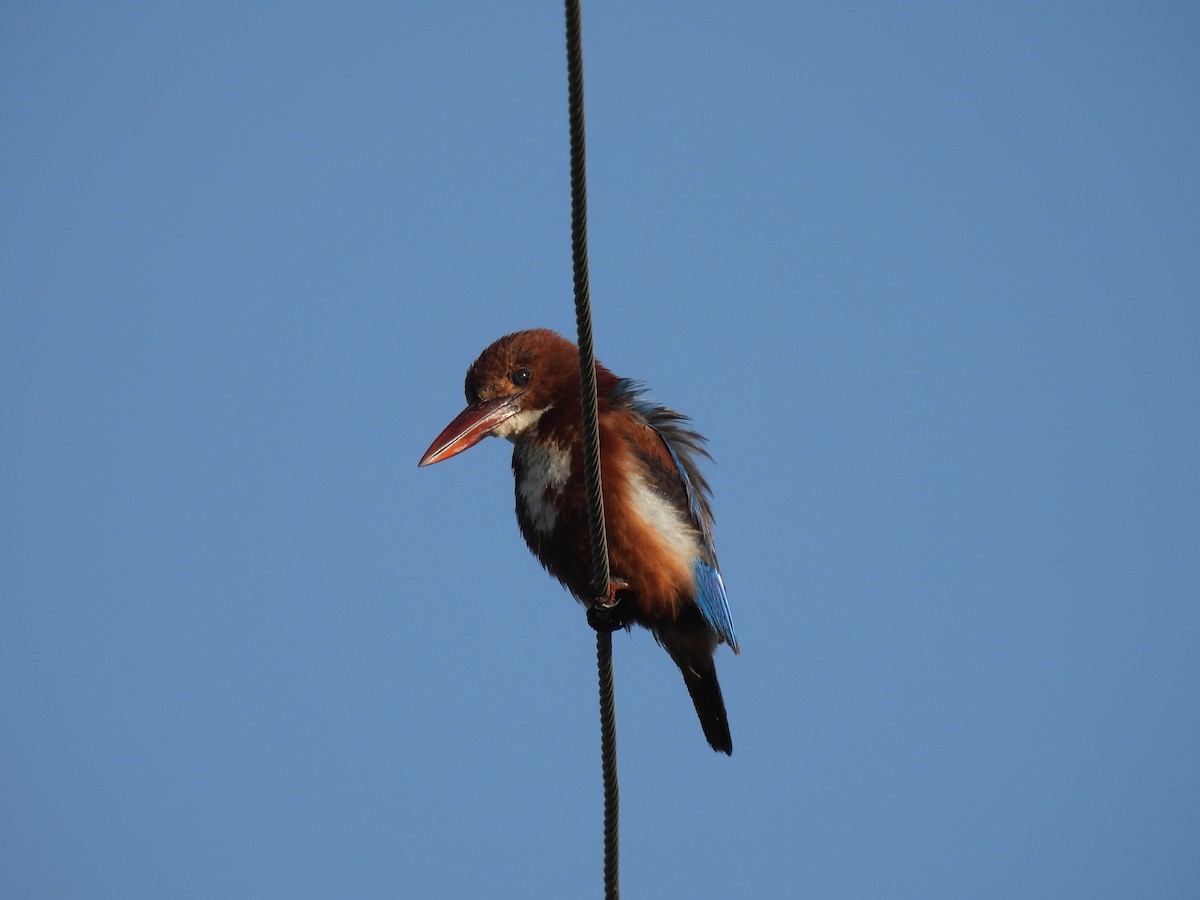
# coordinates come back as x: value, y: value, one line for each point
x: 591, y: 445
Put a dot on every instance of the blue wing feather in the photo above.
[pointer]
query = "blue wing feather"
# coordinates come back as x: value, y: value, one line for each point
x: 711, y: 598
x: 684, y: 445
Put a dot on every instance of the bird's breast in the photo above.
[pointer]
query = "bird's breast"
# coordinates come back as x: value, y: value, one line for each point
x: 542, y: 470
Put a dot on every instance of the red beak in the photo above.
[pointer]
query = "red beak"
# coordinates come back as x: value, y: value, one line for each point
x: 470, y: 427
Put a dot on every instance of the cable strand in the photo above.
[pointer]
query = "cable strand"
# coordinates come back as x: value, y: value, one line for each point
x: 601, y: 575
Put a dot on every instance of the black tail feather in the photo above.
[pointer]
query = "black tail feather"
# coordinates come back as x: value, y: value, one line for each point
x: 705, y: 690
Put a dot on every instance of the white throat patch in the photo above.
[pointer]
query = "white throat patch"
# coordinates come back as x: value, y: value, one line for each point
x: 516, y: 425
x: 544, y: 470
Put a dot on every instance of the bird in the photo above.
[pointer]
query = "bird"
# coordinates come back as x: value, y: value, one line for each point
x: 657, y: 504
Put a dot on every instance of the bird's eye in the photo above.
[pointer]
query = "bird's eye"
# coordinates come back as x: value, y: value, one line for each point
x: 521, y: 376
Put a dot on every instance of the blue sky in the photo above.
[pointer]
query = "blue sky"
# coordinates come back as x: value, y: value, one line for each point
x: 925, y: 274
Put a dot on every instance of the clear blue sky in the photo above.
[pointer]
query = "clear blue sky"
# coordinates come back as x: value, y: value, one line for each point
x: 927, y: 275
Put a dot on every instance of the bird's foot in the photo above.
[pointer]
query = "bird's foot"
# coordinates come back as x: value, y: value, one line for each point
x: 607, y: 613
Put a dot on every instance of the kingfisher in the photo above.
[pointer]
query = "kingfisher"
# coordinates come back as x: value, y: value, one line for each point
x: 657, y: 503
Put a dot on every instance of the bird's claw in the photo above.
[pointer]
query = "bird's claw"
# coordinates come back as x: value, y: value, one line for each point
x: 606, y: 613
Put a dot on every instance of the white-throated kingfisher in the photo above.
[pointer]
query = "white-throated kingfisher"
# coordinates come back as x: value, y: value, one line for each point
x: 525, y: 387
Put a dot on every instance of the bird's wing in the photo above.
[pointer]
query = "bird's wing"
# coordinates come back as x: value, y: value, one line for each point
x: 685, y: 486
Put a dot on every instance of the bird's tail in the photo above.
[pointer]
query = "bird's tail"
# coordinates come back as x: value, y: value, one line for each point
x: 691, y: 643
x: 701, y: 680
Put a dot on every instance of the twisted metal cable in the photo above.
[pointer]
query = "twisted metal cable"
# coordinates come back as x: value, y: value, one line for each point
x: 583, y: 310
x: 591, y: 444
x: 608, y: 764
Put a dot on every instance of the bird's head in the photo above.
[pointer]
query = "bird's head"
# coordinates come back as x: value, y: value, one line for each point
x: 510, y: 386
